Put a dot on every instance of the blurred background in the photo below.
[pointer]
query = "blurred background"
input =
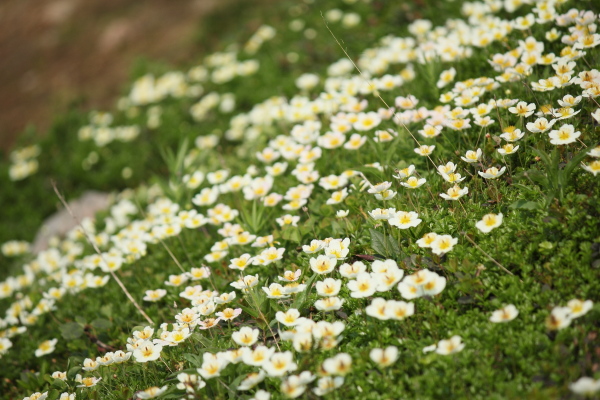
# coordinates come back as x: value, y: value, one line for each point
x: 56, y: 54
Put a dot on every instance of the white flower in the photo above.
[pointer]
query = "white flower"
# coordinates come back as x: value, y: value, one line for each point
x: 455, y: 192
x: 505, y: 314
x: 211, y: 366
x: 593, y: 167
x: 386, y: 195
x: 405, y: 172
x: 314, y: 246
x: 405, y: 220
x: 579, y: 308
x: 382, y: 213
x: 328, y: 384
x: 240, y: 263
x: 564, y: 135
x: 399, y: 310
x: 522, y: 109
x: 424, y: 150
x: 280, y: 364
x: 262, y: 395
x: 289, y: 318
x: 37, y: 396
x: 332, y: 303
x: 427, y: 239
x: 380, y: 187
x: 434, y: 286
x: 342, y: 213
x: 413, y: 182
x: 595, y: 152
x: 367, y: 121
x: 258, y: 356
x: 87, y: 381
x: 492, y: 173
x: 151, y: 392
x: 585, y: 386
x: 472, y: 156
x: 388, y: 279
x: 384, y: 357
x: 377, y: 309
x: 246, y: 282
x: 450, y: 346
x: 559, y: 318
x: 508, y: 149
x: 275, y: 291
x: 363, y: 286
x: 46, y: 347
x: 355, y: 142
x: 251, y: 380
x: 340, y: 364
x: 295, y: 385
x: 540, y: 125
x: 489, y: 222
x: 352, y: 270
x: 154, y: 295
x: 328, y: 287
x: 429, y: 349
x: 323, y: 264
x: 443, y: 244
x: 246, y: 336
x: 338, y: 196
x: 147, y: 351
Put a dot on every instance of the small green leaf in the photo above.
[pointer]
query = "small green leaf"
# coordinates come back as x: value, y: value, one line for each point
x: 291, y: 233
x: 106, y: 310
x: 193, y: 359
x: 101, y: 323
x: 384, y: 245
x: 574, y: 162
x: 524, y: 205
x: 301, y: 298
x: 59, y: 384
x: 71, y: 330
x: 73, y: 372
x: 249, y: 311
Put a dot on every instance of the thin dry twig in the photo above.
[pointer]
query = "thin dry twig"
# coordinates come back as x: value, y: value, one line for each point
x: 486, y: 254
x: 375, y: 92
x: 90, y: 241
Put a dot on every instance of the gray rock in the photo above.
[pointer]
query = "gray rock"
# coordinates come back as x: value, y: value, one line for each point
x: 62, y: 222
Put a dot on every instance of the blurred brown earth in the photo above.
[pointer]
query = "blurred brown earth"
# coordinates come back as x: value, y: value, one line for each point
x: 53, y: 52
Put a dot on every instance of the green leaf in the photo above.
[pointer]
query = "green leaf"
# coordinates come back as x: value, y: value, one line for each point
x: 106, y: 310
x: 71, y: 330
x: 101, y: 323
x: 193, y: 359
x: 233, y: 386
x: 301, y: 298
x: 537, y: 177
x: 59, y: 384
x: 524, y: 205
x: 249, y: 311
x: 291, y: 234
x: 307, y: 226
x: 384, y: 245
x: 572, y: 164
x: 73, y: 372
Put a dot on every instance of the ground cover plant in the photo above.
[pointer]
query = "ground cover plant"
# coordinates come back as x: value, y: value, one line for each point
x: 362, y: 199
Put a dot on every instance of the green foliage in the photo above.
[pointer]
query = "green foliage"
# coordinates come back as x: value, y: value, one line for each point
x: 549, y: 241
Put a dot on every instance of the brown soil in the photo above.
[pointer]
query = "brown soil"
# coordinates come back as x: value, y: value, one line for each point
x: 53, y: 52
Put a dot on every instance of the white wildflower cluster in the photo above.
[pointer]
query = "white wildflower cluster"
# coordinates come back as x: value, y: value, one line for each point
x: 24, y: 162
x: 14, y: 248
x: 102, y: 133
x: 561, y: 317
x: 244, y: 216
